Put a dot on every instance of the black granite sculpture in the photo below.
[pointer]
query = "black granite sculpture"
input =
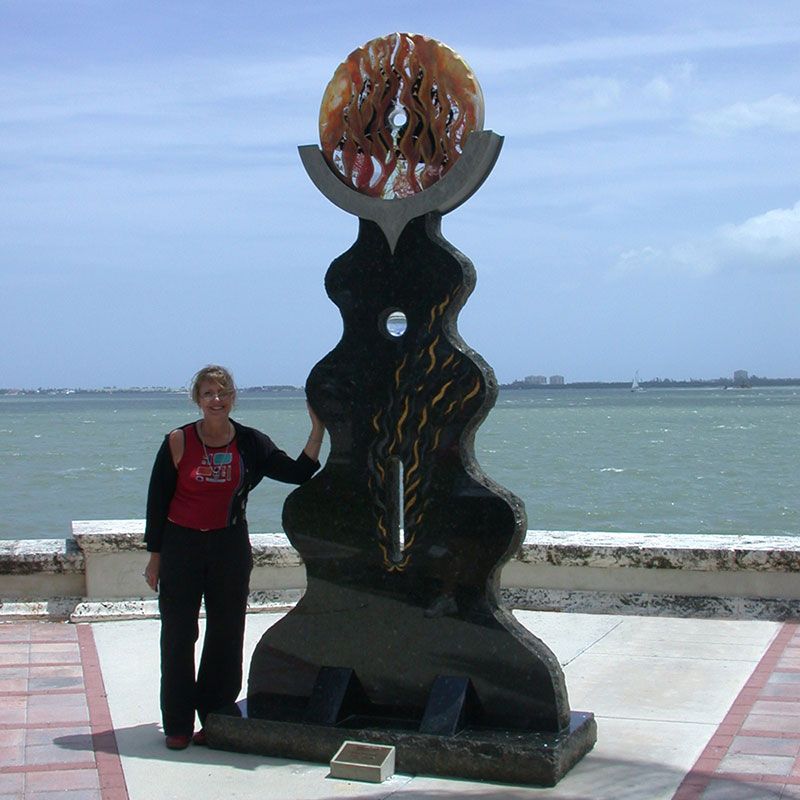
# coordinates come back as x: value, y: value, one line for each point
x: 401, y: 637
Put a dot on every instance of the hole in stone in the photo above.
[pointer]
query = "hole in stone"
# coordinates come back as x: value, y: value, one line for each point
x: 396, y: 324
x: 398, y: 118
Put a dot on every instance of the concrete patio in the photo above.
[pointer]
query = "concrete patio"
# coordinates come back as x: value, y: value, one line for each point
x: 686, y: 709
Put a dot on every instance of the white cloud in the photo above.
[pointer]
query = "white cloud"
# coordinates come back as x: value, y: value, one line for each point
x: 777, y: 111
x: 662, y: 88
x: 156, y: 88
x: 585, y: 103
x: 486, y: 60
x: 694, y: 257
x: 591, y: 101
x: 772, y: 237
x: 156, y: 110
x: 770, y: 240
x: 659, y: 89
x: 596, y: 93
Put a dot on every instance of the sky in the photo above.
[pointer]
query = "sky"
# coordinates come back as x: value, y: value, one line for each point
x: 644, y: 213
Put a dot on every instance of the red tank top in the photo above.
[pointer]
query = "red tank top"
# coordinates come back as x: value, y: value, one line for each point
x: 208, y: 478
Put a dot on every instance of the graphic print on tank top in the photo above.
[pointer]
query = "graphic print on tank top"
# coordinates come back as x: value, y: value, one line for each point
x: 214, y: 468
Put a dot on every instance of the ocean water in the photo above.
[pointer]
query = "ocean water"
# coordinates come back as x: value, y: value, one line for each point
x: 674, y: 460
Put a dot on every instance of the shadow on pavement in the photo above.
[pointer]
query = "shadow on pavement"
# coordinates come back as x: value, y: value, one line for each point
x: 597, y: 778
x: 146, y: 741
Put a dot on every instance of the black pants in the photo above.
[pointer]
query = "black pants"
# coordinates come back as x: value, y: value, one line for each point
x: 214, y: 565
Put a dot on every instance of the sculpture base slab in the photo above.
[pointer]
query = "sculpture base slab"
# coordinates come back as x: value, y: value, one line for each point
x: 518, y: 757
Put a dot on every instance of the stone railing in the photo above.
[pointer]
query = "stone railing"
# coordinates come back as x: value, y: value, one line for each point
x: 98, y: 574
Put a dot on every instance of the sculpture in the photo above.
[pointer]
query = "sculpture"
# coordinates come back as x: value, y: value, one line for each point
x: 401, y: 637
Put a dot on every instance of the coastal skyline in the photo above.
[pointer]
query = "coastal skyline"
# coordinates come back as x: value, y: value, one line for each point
x: 728, y: 382
x: 644, y: 212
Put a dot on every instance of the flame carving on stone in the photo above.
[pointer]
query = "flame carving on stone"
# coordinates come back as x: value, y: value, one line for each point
x: 397, y: 113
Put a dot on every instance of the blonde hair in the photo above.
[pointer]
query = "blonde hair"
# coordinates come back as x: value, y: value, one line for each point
x: 215, y: 374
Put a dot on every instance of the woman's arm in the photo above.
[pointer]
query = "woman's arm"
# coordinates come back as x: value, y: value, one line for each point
x: 316, y: 436
x: 163, y: 480
x: 177, y: 444
x: 162, y: 486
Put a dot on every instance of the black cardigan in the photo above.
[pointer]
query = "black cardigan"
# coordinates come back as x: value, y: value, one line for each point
x: 260, y: 458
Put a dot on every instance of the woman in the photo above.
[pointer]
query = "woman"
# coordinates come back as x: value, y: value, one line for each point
x: 199, y: 546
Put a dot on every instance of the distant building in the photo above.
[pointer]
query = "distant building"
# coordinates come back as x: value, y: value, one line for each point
x: 556, y: 380
x: 741, y: 378
x: 535, y: 380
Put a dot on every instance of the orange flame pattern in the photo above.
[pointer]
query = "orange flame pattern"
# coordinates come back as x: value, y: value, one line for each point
x: 410, y: 428
x: 397, y: 113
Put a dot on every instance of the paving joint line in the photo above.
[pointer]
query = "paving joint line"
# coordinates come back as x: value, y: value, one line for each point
x: 42, y: 726
x: 42, y: 692
x: 592, y: 644
x: 52, y: 766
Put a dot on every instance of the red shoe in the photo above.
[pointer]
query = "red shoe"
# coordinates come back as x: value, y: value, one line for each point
x: 200, y: 738
x: 178, y: 742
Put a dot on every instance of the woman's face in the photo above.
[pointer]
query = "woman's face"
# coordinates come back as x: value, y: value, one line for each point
x: 215, y: 401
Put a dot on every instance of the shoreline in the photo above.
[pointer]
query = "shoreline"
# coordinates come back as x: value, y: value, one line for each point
x: 667, y: 383
x: 299, y: 391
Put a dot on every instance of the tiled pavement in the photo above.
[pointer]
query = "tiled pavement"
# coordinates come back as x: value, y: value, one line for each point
x: 56, y: 738
x: 57, y: 741
x: 755, y: 753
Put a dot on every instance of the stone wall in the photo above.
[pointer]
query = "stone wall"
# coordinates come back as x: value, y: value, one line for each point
x: 98, y: 574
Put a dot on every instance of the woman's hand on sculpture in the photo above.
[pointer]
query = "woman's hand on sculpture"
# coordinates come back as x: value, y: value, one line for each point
x: 317, y: 427
x: 315, y: 437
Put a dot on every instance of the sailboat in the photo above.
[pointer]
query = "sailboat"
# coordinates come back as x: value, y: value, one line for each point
x: 635, y: 384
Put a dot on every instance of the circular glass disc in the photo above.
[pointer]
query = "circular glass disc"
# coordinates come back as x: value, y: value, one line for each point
x: 396, y: 114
